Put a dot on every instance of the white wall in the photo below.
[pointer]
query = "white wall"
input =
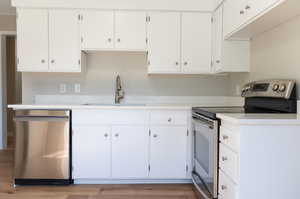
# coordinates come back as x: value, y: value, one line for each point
x: 274, y: 54
x: 99, y: 79
x: 203, y: 5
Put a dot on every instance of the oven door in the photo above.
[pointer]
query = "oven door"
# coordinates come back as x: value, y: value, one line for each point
x: 205, y: 173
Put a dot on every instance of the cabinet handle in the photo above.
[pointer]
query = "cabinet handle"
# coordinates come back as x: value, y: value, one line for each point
x: 119, y: 40
x: 223, y: 187
x: 218, y: 61
x: 242, y: 12
x: 185, y: 63
x: 106, y: 135
x: 225, y: 137
x: 247, y: 7
x: 224, y: 159
x: 177, y: 63
x: 43, y: 61
x: 155, y: 136
x: 170, y: 120
x: 109, y: 40
x: 52, y: 61
x: 117, y: 135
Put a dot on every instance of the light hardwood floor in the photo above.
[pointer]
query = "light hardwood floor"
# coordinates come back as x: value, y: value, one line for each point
x: 183, y: 191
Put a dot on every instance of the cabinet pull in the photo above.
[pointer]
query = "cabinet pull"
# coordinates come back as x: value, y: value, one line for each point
x: 155, y: 136
x: 225, y: 137
x: 119, y: 40
x: 109, y: 40
x: 106, y: 135
x: 177, y: 63
x: 185, y: 63
x: 247, y: 7
x: 224, y: 159
x: 117, y: 135
x: 242, y: 12
x: 218, y: 61
x: 43, y: 61
x: 223, y: 187
x: 170, y: 120
x: 52, y: 61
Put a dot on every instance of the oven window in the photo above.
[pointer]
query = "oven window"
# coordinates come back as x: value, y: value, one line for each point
x: 202, y: 151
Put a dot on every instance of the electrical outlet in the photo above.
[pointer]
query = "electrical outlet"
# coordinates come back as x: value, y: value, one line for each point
x: 62, y: 88
x: 77, y: 88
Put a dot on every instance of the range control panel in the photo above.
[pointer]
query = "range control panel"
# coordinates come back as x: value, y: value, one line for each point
x: 269, y: 88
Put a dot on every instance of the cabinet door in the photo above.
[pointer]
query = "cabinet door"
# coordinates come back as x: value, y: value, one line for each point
x: 130, y: 33
x: 217, y: 39
x: 97, y: 30
x: 255, y: 7
x: 164, y: 42
x: 234, y: 15
x: 130, y: 152
x: 91, y: 152
x: 168, y: 152
x: 64, y: 38
x: 196, y: 42
x: 32, y: 42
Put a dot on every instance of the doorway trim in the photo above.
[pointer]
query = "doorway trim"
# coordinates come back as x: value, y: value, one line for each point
x: 3, y: 103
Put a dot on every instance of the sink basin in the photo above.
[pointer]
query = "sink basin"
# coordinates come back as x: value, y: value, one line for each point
x: 96, y: 104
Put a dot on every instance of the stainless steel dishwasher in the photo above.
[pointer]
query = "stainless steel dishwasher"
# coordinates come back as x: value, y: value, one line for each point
x: 43, y: 147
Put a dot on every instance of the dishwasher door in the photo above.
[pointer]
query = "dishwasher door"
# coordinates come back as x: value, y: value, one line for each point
x: 42, y: 154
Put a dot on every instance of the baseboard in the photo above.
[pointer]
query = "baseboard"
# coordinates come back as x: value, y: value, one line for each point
x: 130, y: 181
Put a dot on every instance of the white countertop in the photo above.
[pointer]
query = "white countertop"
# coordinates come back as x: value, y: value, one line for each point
x: 260, y: 119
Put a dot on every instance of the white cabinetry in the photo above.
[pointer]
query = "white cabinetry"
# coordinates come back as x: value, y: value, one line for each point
x: 48, y: 41
x: 164, y: 42
x: 130, y: 152
x: 177, y: 45
x: 118, y: 145
x: 113, y: 30
x: 168, y: 153
x: 32, y: 42
x: 196, y: 43
x: 91, y: 151
x: 231, y: 55
x: 97, y: 30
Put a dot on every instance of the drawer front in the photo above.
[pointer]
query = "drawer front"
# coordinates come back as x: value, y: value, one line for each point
x: 230, y: 138
x: 119, y: 117
x: 168, y: 117
x: 227, y: 188
x: 229, y: 162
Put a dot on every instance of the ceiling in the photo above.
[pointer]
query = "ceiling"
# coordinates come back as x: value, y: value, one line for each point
x: 5, y: 7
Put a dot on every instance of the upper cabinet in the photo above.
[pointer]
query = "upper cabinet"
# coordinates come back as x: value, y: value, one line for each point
x: 97, y: 30
x: 248, y: 18
x: 179, y: 43
x: 196, y: 43
x: 32, y: 42
x: 231, y: 55
x: 109, y: 30
x: 164, y: 42
x: 48, y: 41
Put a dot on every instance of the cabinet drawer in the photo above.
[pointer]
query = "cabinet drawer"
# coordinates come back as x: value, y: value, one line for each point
x: 120, y: 117
x: 227, y: 188
x: 229, y: 162
x: 168, y: 117
x: 229, y: 138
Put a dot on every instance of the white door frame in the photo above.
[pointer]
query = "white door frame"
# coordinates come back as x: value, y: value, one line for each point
x: 3, y: 103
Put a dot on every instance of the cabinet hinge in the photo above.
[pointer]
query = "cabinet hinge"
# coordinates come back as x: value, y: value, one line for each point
x: 187, y: 168
x: 149, y: 168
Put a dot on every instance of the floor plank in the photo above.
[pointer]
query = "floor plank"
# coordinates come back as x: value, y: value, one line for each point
x: 149, y: 191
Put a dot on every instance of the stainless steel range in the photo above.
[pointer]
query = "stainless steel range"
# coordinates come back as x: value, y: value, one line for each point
x: 268, y: 96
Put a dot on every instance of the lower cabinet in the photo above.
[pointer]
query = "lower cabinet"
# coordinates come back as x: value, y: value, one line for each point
x: 130, y: 151
x: 91, y: 152
x: 168, y: 152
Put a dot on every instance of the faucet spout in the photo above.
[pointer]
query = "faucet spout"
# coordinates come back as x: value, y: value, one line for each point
x: 119, y: 93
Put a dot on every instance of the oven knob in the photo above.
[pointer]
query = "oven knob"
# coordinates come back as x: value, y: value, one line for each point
x: 275, y: 87
x: 282, y: 88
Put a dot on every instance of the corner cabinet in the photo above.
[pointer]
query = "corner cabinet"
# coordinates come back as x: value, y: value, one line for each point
x: 228, y: 55
x: 48, y: 41
x: 177, y: 45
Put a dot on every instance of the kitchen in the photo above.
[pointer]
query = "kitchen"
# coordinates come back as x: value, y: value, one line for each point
x: 125, y: 77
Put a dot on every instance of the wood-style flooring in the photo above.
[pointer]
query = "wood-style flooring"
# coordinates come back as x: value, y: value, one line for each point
x: 166, y: 191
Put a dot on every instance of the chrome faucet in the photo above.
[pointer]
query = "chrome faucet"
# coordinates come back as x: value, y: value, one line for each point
x: 119, y: 93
